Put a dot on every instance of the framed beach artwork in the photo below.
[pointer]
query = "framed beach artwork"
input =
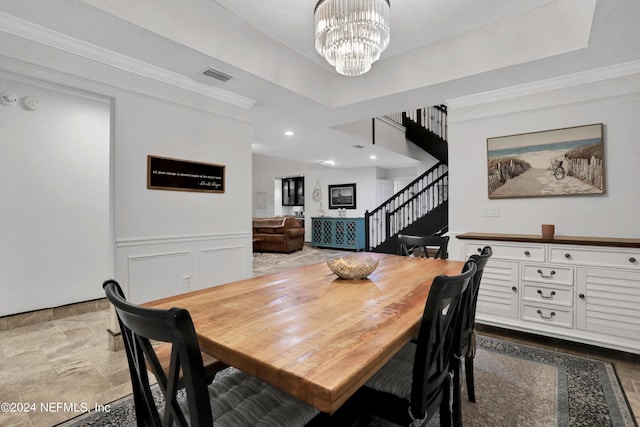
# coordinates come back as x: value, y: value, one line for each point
x: 559, y: 162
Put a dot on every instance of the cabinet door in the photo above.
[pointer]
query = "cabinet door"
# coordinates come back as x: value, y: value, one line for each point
x: 288, y: 188
x: 299, y: 186
x: 316, y: 231
x: 347, y: 233
x: 498, y: 295
x: 293, y: 191
x: 609, y: 301
x: 321, y: 232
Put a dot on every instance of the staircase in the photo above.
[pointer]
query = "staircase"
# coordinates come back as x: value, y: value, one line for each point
x: 422, y: 206
x: 427, y: 128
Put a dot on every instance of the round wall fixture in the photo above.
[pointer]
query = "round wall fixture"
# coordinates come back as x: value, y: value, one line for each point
x: 31, y: 103
x: 7, y: 98
x: 317, y: 192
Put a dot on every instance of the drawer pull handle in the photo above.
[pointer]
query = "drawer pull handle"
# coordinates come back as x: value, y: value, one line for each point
x: 550, y: 296
x: 632, y: 260
x: 514, y: 289
x: 527, y: 253
x: 567, y: 256
x: 550, y: 317
x: 550, y: 276
x: 581, y: 296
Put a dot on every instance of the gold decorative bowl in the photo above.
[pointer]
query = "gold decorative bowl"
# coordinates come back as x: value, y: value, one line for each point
x: 352, y: 267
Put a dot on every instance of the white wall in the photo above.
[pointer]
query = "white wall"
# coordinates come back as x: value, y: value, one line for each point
x: 389, y: 136
x: 54, y: 174
x: 159, y: 242
x: 373, y: 185
x: 173, y: 241
x: 266, y: 169
x: 613, y: 102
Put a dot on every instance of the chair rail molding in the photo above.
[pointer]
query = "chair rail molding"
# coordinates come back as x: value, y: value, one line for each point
x: 160, y: 240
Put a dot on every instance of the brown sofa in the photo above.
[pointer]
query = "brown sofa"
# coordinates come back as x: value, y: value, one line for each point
x: 278, y: 234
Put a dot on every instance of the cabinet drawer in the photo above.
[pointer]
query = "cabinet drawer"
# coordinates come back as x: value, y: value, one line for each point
x: 548, y: 316
x: 596, y: 257
x: 514, y: 252
x: 548, y: 294
x: 547, y: 274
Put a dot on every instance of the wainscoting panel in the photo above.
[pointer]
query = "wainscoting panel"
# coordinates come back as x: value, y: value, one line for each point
x: 220, y: 265
x: 158, y: 276
x: 156, y: 267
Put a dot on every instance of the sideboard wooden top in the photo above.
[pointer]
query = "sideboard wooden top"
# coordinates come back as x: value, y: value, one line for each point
x: 560, y: 240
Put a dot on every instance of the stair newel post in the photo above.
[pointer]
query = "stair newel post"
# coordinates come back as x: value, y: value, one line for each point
x: 367, y: 227
x: 387, y: 225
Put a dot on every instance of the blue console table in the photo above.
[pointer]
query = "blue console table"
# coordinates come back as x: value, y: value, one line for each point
x: 339, y: 233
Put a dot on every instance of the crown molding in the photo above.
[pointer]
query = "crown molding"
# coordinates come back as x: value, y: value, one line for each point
x: 569, y: 80
x: 27, y: 30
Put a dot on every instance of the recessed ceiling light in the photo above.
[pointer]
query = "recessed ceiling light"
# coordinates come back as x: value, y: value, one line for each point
x: 373, y: 157
x: 329, y: 162
x: 288, y: 133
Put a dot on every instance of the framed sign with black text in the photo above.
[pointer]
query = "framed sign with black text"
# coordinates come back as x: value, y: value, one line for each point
x: 182, y: 175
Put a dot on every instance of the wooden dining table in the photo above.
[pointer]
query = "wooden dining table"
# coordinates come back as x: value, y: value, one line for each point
x: 303, y: 330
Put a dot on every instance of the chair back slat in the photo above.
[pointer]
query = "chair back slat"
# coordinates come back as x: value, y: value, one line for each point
x: 419, y: 245
x: 436, y: 339
x: 140, y: 326
x: 470, y: 301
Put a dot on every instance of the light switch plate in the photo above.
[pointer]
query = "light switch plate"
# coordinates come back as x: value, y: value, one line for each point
x: 491, y: 211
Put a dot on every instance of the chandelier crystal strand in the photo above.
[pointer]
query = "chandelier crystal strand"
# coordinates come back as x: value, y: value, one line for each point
x: 351, y: 34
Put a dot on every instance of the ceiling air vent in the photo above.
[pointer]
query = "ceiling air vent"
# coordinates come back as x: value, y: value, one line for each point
x: 218, y: 75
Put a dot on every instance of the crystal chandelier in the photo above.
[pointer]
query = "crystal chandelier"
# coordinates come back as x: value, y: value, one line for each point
x: 351, y: 34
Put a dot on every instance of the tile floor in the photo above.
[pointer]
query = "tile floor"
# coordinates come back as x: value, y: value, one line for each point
x: 63, y: 366
x: 56, y: 363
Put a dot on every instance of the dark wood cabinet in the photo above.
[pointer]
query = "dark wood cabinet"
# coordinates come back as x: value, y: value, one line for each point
x: 293, y: 191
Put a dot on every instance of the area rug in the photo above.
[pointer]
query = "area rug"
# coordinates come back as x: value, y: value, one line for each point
x: 516, y: 385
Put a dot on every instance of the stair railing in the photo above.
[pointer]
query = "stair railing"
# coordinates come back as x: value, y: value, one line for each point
x: 433, y: 119
x: 417, y: 199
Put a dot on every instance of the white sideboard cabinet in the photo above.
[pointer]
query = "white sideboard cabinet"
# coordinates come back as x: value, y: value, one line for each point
x: 575, y: 288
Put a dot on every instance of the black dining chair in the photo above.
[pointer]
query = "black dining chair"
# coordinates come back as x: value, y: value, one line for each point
x: 423, y: 246
x: 416, y: 382
x: 234, y: 400
x: 211, y: 365
x: 465, y: 341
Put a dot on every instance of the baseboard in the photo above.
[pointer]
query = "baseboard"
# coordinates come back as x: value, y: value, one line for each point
x: 54, y: 313
x: 556, y: 344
